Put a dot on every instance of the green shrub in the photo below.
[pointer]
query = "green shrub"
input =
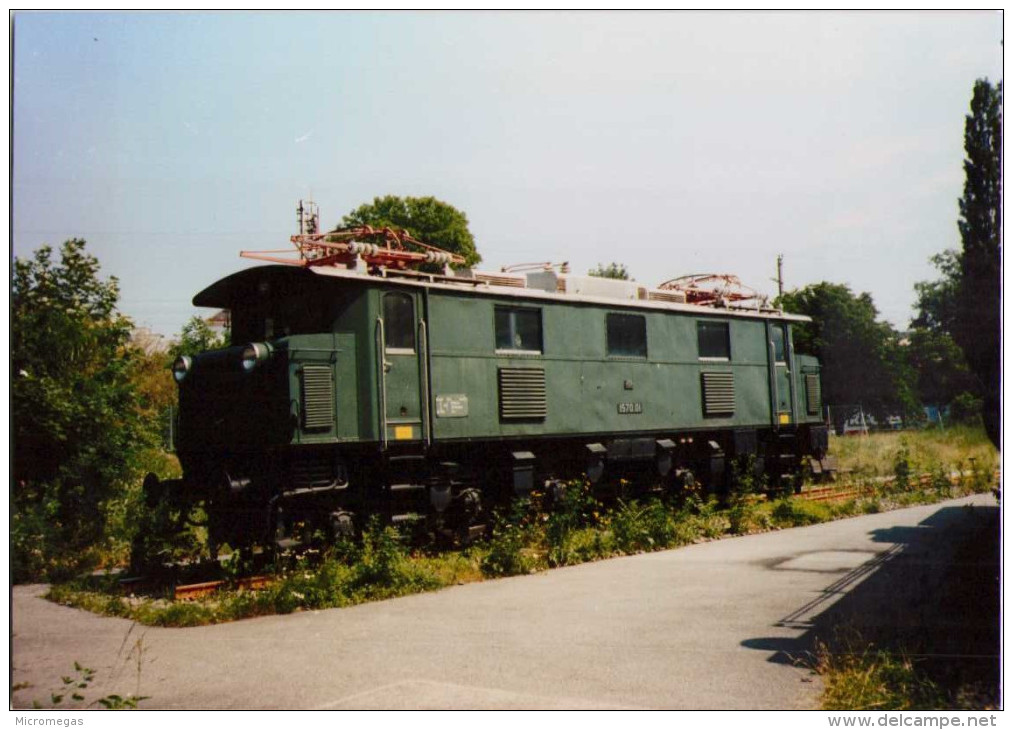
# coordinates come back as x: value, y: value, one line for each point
x: 902, y: 469
x: 965, y: 410
x: 383, y: 567
x: 637, y: 528
x: 510, y: 552
x: 747, y: 516
x: 798, y: 512
x: 875, y: 680
x: 580, y: 546
x: 37, y: 553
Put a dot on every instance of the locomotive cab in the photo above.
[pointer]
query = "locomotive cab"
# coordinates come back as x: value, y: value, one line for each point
x: 258, y: 419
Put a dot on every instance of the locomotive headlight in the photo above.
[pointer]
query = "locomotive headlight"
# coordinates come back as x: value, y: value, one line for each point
x: 254, y: 354
x: 181, y: 367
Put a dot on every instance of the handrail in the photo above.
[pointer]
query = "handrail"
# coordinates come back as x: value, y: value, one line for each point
x: 427, y: 423
x: 772, y: 377
x: 789, y: 348
x: 381, y: 380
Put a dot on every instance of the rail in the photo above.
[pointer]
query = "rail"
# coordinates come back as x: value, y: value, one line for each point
x: 852, y: 490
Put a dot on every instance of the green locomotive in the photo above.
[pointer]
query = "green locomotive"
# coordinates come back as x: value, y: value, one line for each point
x: 357, y: 385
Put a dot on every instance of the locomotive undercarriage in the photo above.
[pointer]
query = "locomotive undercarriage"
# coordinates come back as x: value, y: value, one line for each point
x: 302, y: 496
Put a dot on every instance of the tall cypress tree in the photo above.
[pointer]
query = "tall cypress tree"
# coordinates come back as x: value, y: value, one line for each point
x: 977, y: 329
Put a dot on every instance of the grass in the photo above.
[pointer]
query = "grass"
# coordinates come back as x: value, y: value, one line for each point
x: 871, y: 679
x: 877, y: 454
x: 533, y: 535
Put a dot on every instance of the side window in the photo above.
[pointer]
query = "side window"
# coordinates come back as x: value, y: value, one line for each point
x: 398, y: 321
x: 777, y: 337
x: 626, y: 335
x: 518, y: 329
x: 713, y: 341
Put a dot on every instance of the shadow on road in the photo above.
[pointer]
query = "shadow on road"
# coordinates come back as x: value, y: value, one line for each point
x: 933, y: 595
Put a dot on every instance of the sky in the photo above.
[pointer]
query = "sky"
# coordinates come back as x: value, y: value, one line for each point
x: 672, y: 142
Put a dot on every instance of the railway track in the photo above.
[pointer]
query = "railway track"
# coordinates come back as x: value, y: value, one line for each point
x: 835, y: 493
x: 193, y: 591
x: 846, y: 491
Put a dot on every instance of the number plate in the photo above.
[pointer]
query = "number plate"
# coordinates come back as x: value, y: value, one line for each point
x: 452, y: 406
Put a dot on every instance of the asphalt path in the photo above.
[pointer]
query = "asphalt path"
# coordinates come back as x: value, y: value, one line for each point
x: 717, y: 625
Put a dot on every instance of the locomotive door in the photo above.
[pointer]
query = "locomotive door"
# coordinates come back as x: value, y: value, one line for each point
x: 402, y: 344
x: 781, y: 381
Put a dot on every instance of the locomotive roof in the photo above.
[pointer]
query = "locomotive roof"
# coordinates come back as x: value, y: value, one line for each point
x: 225, y: 292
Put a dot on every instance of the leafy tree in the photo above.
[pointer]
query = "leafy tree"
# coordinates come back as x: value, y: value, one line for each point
x: 942, y: 373
x: 937, y: 300
x: 427, y: 219
x: 197, y: 336
x: 978, y: 286
x: 965, y: 303
x: 614, y: 270
x: 77, y: 425
x: 862, y: 360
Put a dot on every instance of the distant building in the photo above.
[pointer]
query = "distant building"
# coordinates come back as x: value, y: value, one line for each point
x: 149, y: 342
x: 221, y: 320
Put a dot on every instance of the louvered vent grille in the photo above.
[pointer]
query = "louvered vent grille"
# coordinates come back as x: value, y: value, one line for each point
x: 718, y: 394
x: 522, y: 394
x: 812, y: 394
x: 317, y: 397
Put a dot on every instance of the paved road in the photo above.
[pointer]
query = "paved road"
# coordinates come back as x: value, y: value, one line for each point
x: 711, y: 625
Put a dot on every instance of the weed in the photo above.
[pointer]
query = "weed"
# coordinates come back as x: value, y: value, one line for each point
x: 638, y: 528
x: 797, y: 512
x: 74, y: 686
x: 939, y: 480
x: 747, y: 478
x: 383, y: 566
x: 902, y: 469
x: 875, y: 680
x: 510, y: 551
x: 872, y: 506
x: 980, y: 479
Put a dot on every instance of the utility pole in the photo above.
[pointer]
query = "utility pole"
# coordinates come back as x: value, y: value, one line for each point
x: 780, y: 275
x: 309, y: 217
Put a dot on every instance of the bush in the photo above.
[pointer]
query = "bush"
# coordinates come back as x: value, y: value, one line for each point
x: 747, y: 516
x: 573, y: 547
x: 638, y: 528
x: 797, y: 512
x: 77, y: 426
x: 510, y: 552
x: 382, y: 566
x: 875, y: 680
x: 902, y: 469
x: 37, y: 552
x: 965, y: 410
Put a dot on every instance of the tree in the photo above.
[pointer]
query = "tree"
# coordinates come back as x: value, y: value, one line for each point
x: 937, y: 300
x: 862, y: 359
x: 429, y: 220
x: 614, y: 270
x: 965, y: 303
x: 978, y: 286
x: 77, y: 425
x: 197, y: 336
x: 942, y: 373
